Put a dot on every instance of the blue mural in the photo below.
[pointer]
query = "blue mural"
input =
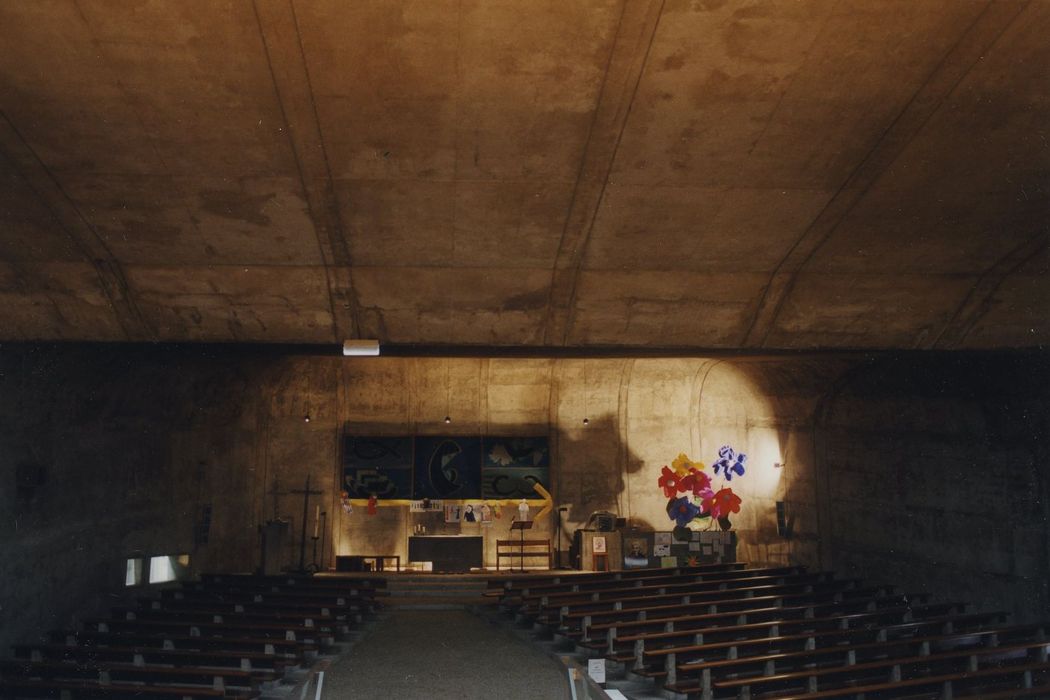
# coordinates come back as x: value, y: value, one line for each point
x: 377, y: 465
x: 511, y: 466
x: 447, y: 467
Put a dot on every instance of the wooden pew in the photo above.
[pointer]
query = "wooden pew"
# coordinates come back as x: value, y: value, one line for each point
x: 245, y: 660
x: 194, y: 616
x: 570, y: 619
x: 698, y: 584
x: 266, y: 645
x: 667, y: 649
x: 212, y: 629
x: 528, y: 581
x: 218, y: 678
x: 685, y: 637
x: 849, y: 648
x: 888, y: 672
x: 38, y: 688
x: 550, y: 591
x: 657, y: 627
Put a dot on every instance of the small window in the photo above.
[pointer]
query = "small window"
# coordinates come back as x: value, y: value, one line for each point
x: 133, y: 577
x: 170, y: 567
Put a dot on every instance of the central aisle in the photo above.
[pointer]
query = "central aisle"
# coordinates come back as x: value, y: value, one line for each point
x: 443, y: 654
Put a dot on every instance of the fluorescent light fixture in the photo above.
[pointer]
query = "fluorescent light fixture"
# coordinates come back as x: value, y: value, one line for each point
x: 360, y: 348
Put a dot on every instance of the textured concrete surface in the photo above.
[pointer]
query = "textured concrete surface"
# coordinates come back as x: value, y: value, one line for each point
x: 695, y: 173
x: 444, y: 654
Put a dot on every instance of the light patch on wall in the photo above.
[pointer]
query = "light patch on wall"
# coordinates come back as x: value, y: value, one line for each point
x: 765, y: 451
x: 133, y: 576
x: 168, y: 567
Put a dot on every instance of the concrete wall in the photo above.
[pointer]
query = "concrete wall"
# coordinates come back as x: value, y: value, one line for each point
x: 934, y: 476
x: 883, y: 474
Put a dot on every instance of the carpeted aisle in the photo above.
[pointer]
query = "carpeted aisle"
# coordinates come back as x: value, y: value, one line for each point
x: 443, y: 654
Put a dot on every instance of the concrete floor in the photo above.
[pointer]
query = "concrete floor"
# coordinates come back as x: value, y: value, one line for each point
x: 443, y: 654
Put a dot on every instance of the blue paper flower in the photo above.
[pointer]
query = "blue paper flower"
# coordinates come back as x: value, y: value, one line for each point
x: 682, y: 511
x: 729, y: 462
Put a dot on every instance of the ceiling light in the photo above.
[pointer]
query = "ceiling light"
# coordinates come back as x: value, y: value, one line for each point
x: 360, y: 348
x: 448, y: 419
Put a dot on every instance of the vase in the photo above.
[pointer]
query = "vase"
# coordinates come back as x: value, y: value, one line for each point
x: 724, y: 523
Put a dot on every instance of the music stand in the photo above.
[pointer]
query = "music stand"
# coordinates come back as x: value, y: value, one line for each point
x: 522, y: 526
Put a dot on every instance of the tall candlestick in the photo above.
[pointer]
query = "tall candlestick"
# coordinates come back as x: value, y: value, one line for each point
x: 317, y: 522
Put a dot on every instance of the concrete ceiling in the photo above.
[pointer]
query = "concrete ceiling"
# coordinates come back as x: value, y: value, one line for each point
x: 694, y: 173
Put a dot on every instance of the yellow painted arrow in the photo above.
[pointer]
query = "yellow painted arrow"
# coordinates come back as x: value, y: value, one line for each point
x: 548, y: 501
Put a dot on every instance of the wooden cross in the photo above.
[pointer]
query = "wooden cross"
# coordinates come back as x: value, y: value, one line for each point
x: 306, y: 492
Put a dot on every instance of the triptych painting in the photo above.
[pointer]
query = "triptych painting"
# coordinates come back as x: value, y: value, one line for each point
x: 445, y: 467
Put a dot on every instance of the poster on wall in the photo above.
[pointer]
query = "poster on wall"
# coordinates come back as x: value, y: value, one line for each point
x: 377, y: 465
x: 447, y: 467
x: 512, y: 465
x: 636, y: 550
x: 453, y: 513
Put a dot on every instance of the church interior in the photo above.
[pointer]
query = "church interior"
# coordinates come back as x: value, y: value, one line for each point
x: 685, y: 348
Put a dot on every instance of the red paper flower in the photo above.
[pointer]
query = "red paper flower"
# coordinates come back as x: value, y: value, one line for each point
x: 697, y: 482
x: 722, y: 503
x: 668, y: 481
x: 372, y: 504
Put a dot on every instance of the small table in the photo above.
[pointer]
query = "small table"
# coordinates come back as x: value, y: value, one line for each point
x: 356, y: 562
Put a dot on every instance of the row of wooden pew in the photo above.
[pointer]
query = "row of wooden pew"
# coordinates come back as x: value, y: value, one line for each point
x: 225, y: 636
x: 733, y: 631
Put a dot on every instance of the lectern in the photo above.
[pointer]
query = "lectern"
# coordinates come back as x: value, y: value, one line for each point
x: 521, y: 526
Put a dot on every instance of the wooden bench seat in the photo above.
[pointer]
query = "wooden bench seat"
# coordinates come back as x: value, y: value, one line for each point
x: 655, y: 627
x: 268, y: 631
x: 583, y: 619
x: 697, y: 584
x: 169, y: 600
x: 1020, y: 676
x: 194, y: 616
x: 246, y: 660
x: 666, y: 649
x: 569, y: 588
x: 277, y: 596
x: 893, y: 670
x: 105, y: 672
x: 374, y: 582
x: 772, y: 669
x: 275, y: 645
x: 28, y: 687
x: 522, y: 581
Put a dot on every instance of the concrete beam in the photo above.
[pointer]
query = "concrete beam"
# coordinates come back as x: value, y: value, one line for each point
x: 84, y: 237
x: 638, y: 22
x: 279, y: 31
x: 979, y: 37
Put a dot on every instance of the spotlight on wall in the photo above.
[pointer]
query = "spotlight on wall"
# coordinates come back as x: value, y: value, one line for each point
x: 306, y: 418
x: 586, y: 422
x: 360, y: 348
x: 448, y: 419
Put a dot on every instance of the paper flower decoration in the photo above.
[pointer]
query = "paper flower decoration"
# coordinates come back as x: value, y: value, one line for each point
x: 729, y: 462
x: 695, y: 481
x: 721, y: 504
x: 668, y: 481
x: 682, y: 511
x: 683, y: 465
